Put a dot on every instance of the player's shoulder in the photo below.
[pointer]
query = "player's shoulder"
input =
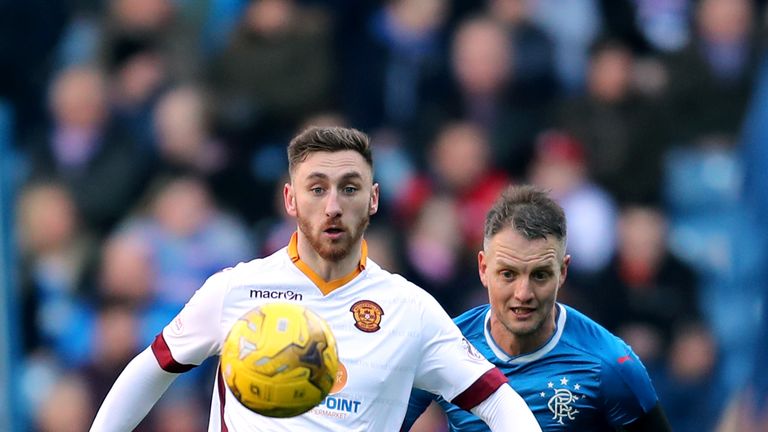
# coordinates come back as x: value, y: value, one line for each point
x: 394, y: 282
x: 623, y: 380
x: 593, y: 340
x: 259, y: 265
x: 583, y: 333
x: 472, y: 319
x: 399, y: 289
x: 244, y: 273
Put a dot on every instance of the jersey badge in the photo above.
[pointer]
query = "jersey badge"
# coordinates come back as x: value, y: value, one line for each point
x: 367, y: 315
x: 177, y: 327
x: 561, y: 399
x: 473, y: 353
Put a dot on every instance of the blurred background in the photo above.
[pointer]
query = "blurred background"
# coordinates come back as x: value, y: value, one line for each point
x: 142, y: 148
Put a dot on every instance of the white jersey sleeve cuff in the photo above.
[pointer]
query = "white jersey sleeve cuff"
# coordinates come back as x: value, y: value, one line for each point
x: 506, y: 411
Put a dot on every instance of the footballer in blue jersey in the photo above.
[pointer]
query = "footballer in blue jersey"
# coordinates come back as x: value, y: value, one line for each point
x: 573, y: 374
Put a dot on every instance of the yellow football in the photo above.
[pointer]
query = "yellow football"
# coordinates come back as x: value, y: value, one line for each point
x: 280, y: 359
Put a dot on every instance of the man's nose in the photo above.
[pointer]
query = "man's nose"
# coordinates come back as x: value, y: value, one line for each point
x: 523, y: 291
x: 332, y: 206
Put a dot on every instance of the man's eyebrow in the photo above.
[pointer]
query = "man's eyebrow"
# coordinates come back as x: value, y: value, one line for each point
x: 540, y: 265
x: 352, y: 175
x: 317, y: 175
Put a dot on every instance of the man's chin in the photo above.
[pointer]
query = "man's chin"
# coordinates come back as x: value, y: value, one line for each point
x: 334, y: 253
x: 524, y: 329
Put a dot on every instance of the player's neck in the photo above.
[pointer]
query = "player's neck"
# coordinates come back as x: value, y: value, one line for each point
x: 515, y: 345
x: 329, y: 270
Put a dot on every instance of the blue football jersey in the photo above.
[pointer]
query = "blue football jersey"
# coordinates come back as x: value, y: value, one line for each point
x: 583, y: 379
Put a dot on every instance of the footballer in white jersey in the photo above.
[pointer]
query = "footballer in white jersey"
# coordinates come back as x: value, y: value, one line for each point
x: 390, y: 333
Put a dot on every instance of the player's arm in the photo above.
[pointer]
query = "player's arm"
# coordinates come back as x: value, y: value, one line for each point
x: 454, y: 369
x: 193, y: 336
x: 505, y: 407
x: 654, y: 420
x: 134, y: 393
x: 629, y: 397
x: 417, y: 404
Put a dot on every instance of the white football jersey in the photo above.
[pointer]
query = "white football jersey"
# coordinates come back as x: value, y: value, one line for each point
x: 391, y: 335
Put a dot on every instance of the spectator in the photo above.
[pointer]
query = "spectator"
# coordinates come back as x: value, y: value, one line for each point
x: 188, y: 238
x: 532, y: 49
x: 127, y: 273
x: 482, y: 64
x: 68, y: 406
x: 665, y: 25
x: 622, y: 136
x: 183, y: 130
x: 434, y: 255
x: 395, y: 63
x: 646, y: 290
x: 130, y: 25
x: 275, y: 71
x: 560, y: 167
x: 101, y: 166
x: 461, y: 169
x: 115, y: 342
x: 57, y: 257
x: 139, y: 74
x: 710, y: 80
x: 573, y: 26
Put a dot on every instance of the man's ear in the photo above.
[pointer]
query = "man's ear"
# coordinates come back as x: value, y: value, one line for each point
x: 564, y: 269
x: 482, y: 266
x: 374, y: 205
x: 289, y: 199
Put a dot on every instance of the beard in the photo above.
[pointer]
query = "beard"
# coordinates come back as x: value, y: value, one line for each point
x: 332, y: 250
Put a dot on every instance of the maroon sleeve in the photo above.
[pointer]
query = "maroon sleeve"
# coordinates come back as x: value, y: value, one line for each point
x: 164, y: 357
x: 488, y: 383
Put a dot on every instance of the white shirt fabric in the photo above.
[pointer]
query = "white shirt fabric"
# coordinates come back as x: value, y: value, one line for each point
x: 496, y: 413
x: 415, y: 344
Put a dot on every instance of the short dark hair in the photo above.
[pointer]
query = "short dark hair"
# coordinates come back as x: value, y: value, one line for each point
x: 530, y: 211
x: 327, y: 139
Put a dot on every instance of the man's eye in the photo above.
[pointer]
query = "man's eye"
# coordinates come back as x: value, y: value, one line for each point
x: 316, y: 190
x: 350, y: 190
x: 506, y: 274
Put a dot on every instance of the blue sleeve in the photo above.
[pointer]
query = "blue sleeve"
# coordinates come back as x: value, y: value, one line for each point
x: 417, y: 404
x: 626, y: 389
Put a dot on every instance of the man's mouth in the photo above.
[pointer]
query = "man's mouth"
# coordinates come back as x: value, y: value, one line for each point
x: 522, y: 312
x: 333, y: 232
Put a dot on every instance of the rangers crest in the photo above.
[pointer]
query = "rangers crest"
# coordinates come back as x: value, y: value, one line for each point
x: 561, y: 402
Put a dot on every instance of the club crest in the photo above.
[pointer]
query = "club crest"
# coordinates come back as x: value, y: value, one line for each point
x: 561, y: 400
x: 367, y: 315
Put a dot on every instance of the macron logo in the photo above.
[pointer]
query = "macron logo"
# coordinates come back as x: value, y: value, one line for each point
x: 624, y: 359
x: 276, y: 295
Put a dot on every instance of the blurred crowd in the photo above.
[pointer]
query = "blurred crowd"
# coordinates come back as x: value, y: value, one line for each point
x: 151, y: 135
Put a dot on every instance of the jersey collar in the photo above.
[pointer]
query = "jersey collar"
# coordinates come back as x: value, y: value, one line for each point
x: 329, y: 286
x: 535, y: 355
